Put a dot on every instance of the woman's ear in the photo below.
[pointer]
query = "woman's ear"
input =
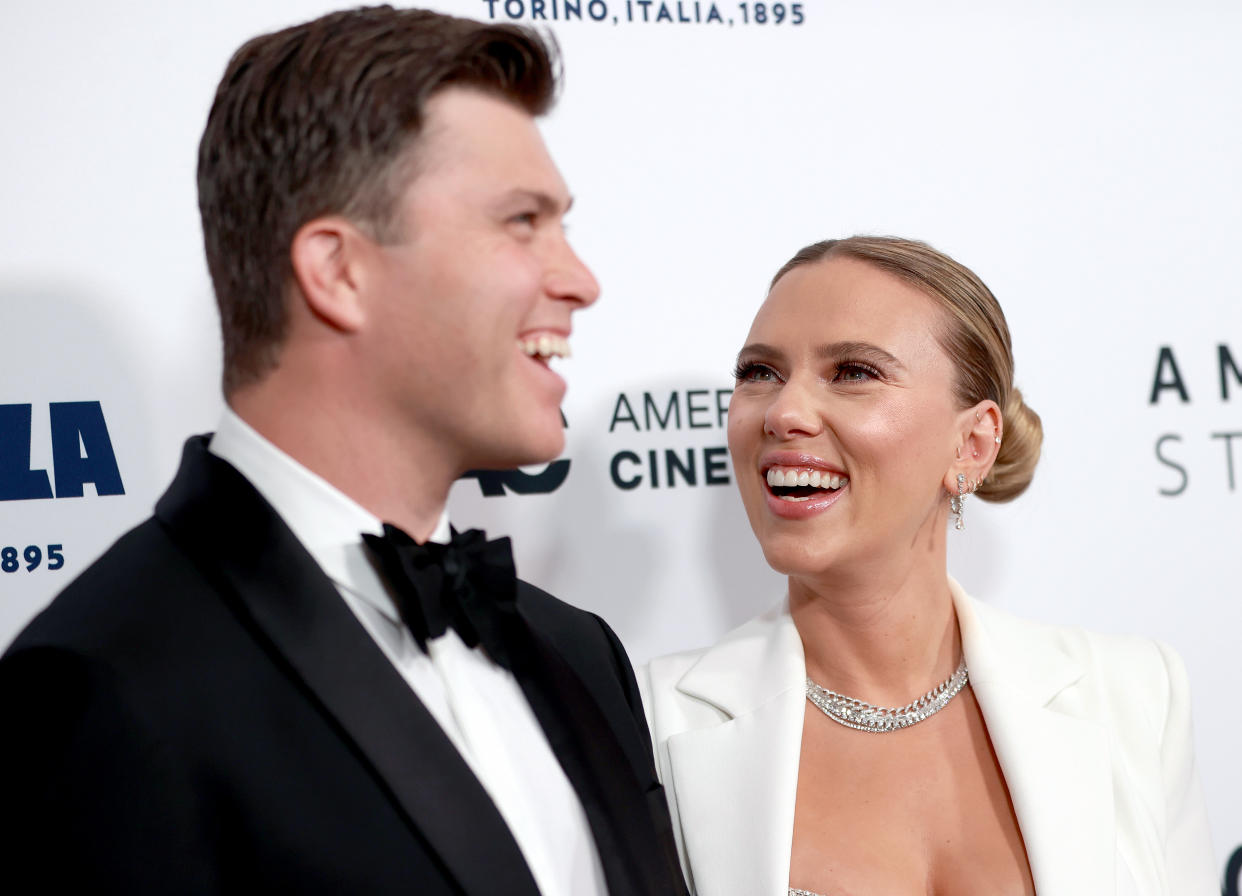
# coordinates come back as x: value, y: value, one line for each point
x: 979, y: 437
x: 326, y: 255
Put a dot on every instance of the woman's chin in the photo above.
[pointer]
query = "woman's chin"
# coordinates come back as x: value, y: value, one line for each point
x: 796, y: 559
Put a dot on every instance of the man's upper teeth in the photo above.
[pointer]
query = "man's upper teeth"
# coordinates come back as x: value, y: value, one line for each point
x: 788, y: 478
x: 546, y: 346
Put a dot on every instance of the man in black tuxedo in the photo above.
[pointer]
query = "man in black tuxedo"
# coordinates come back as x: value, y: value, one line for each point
x: 294, y: 678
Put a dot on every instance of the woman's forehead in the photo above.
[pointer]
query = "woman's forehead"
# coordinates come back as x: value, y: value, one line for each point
x: 842, y: 298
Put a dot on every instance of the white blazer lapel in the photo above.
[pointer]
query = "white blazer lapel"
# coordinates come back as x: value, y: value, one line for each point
x: 1056, y: 766
x: 737, y: 781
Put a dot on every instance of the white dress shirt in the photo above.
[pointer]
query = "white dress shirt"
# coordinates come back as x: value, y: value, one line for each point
x: 479, y: 704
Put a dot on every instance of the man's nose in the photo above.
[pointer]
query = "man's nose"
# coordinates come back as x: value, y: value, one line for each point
x: 569, y: 278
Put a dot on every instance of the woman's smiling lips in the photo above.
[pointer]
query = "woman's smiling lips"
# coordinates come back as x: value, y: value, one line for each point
x: 798, y: 486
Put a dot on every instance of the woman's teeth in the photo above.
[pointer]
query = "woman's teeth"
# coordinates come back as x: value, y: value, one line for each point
x: 545, y: 346
x: 803, y: 480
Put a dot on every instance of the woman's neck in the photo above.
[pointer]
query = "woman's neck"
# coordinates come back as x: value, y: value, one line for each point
x: 886, y: 638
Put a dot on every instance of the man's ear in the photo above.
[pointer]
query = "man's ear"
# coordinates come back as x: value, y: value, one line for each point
x: 326, y: 258
x: 979, y: 441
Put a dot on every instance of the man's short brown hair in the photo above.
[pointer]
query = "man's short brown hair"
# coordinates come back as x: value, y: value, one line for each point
x: 317, y: 119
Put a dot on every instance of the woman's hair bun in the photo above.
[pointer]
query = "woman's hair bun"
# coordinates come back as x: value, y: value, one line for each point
x: 1021, y: 441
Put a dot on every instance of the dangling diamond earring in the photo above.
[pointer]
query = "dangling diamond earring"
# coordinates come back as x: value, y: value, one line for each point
x: 957, y: 503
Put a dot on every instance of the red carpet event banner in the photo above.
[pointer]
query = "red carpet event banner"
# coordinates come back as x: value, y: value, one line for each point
x: 1081, y: 158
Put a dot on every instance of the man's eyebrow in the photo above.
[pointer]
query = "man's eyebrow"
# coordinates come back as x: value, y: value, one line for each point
x: 548, y: 204
x: 857, y: 349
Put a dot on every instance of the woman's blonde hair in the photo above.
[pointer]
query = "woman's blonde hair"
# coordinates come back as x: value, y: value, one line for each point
x: 976, y: 339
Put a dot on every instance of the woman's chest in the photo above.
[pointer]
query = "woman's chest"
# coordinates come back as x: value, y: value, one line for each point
x: 923, y: 810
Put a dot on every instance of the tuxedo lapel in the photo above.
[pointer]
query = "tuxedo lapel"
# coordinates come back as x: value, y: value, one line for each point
x: 1056, y: 766
x: 634, y: 860
x: 243, y: 547
x: 736, y: 782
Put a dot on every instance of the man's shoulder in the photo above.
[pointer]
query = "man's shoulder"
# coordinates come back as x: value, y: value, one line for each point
x: 134, y: 630
x: 548, y: 611
x: 582, y: 637
x: 144, y: 611
x: 118, y: 585
x: 579, y: 634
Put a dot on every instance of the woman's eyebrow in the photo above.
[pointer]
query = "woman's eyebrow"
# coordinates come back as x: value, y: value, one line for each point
x: 855, y: 349
x: 761, y: 349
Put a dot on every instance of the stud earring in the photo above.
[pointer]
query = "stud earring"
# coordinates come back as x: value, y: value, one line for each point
x: 957, y: 503
x: 997, y: 439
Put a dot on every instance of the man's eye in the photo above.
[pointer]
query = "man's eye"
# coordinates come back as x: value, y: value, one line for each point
x: 526, y: 219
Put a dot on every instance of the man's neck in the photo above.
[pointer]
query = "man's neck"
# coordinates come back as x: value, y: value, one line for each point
x: 399, y: 484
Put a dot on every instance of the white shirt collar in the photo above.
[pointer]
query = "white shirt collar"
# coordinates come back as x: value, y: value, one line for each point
x: 327, y: 521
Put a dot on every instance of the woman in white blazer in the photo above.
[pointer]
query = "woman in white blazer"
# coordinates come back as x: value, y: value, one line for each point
x: 874, y: 397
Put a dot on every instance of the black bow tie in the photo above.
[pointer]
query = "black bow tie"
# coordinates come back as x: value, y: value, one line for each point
x: 468, y: 584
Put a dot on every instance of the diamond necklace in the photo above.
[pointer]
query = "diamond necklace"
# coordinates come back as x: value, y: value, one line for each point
x: 854, y: 713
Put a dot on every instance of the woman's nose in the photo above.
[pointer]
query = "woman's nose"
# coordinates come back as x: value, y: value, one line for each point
x: 793, y: 413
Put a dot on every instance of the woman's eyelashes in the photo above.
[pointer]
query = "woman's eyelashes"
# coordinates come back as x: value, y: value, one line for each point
x: 754, y: 372
x: 854, y: 372
x: 839, y: 372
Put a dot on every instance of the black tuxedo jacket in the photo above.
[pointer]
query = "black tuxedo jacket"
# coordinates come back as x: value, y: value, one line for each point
x: 200, y: 712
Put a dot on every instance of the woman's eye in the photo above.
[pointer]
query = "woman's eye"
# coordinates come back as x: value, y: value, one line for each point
x: 525, y: 219
x: 855, y: 373
x: 755, y: 373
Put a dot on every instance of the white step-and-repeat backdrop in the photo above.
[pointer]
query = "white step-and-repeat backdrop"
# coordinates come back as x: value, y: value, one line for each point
x: 1082, y: 157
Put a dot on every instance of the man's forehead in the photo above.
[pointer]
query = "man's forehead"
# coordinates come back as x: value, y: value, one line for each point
x: 466, y: 119
x: 472, y: 135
